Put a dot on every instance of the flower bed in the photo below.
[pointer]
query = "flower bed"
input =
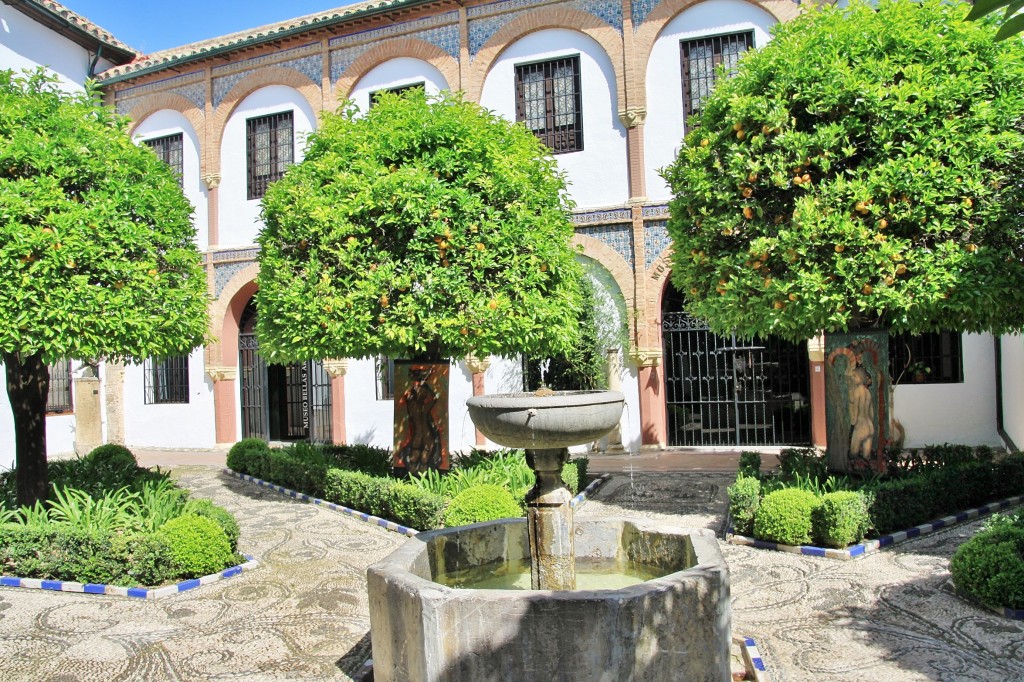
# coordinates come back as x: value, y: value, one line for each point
x: 110, y: 521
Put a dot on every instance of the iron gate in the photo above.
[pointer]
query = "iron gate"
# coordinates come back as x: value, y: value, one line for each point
x: 252, y: 381
x: 726, y: 391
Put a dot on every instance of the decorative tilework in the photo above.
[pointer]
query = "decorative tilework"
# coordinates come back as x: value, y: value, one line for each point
x: 249, y: 253
x: 194, y: 91
x: 589, y: 490
x: 656, y: 240
x: 137, y: 592
x: 640, y: 10
x: 291, y: 54
x: 756, y: 669
x: 342, y: 59
x: 310, y: 66
x: 222, y: 274
x: 592, y: 217
x: 485, y: 20
x: 870, y: 546
x: 655, y: 211
x: 618, y: 236
x: 396, y: 29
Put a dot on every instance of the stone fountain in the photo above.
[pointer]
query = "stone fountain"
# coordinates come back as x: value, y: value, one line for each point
x: 675, y: 626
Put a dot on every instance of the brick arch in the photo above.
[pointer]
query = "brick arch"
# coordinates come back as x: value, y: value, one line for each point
x: 658, y: 275
x: 261, y: 78
x: 610, y: 260
x: 648, y: 32
x: 169, y: 101
x: 225, y: 315
x: 537, y: 20
x: 387, y: 50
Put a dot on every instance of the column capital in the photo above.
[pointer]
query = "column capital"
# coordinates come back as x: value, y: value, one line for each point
x: 633, y: 117
x: 221, y: 373
x: 646, y: 357
x: 477, y: 365
x: 212, y: 180
x: 816, y: 348
x: 336, y: 368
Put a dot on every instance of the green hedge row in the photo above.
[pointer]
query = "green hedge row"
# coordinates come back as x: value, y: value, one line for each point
x: 388, y: 498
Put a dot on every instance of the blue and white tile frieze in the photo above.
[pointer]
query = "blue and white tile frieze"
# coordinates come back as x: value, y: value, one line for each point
x: 442, y: 20
x: 613, y: 216
x: 656, y: 240
x: 655, y: 211
x: 641, y: 9
x: 194, y: 92
x: 486, y: 20
x: 311, y: 66
x: 617, y: 236
x: 223, y: 272
x: 342, y: 59
x: 290, y: 54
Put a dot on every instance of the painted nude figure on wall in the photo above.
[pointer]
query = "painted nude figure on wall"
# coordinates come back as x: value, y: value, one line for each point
x: 861, y: 407
x: 422, y: 450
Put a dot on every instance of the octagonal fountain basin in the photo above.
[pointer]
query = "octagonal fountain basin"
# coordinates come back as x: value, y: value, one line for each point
x: 672, y: 627
x: 558, y: 420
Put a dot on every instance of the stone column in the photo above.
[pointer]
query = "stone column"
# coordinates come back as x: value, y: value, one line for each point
x: 615, y: 384
x: 550, y: 521
x: 223, y: 379
x: 652, y: 403
x: 113, y: 373
x: 816, y: 358
x: 633, y: 119
x: 88, y: 418
x: 212, y: 181
x: 337, y: 369
x: 478, y: 367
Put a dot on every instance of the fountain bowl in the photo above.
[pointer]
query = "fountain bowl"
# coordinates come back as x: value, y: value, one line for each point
x: 676, y: 627
x: 540, y: 422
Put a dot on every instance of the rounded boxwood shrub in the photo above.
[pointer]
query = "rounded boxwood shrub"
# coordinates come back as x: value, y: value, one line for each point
x: 785, y: 516
x: 199, y: 545
x: 113, y: 456
x: 220, y: 515
x: 744, y: 500
x: 249, y: 456
x: 841, y: 519
x: 481, y: 503
x: 990, y: 566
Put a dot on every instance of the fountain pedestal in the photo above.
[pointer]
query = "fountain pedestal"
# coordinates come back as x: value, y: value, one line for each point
x: 550, y: 522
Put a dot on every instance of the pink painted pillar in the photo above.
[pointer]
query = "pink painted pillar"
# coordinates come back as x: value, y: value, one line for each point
x: 478, y: 367
x: 336, y: 369
x: 652, y: 403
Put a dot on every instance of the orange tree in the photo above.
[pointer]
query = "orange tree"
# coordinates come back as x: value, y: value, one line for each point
x: 863, y: 169
x: 97, y: 257
x: 426, y: 228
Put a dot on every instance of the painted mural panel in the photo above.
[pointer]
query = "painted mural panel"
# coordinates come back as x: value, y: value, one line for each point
x: 421, y: 416
x: 857, y: 388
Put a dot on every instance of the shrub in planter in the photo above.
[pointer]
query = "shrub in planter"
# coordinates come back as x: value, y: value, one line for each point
x: 198, y: 544
x: 249, y: 456
x: 143, y: 559
x: 990, y: 566
x: 785, y: 516
x: 902, y: 503
x: 841, y: 519
x: 802, y: 463
x: 286, y: 467
x: 750, y: 464
x: 113, y: 456
x: 744, y: 499
x: 365, y: 458
x: 1008, y: 476
x: 357, y: 490
x: 481, y: 503
x: 221, y: 516
x: 416, y: 508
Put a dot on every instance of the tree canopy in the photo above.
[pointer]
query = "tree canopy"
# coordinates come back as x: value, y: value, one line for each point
x: 1013, y: 20
x: 862, y: 169
x: 426, y: 227
x: 97, y: 257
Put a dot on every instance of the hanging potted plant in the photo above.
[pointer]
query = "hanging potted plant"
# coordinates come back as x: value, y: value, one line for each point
x: 918, y: 371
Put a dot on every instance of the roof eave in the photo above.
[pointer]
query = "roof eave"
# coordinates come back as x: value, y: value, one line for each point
x: 110, y: 52
x: 279, y: 35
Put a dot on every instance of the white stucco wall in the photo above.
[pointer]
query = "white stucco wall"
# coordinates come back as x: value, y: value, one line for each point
x: 953, y: 413
x: 171, y: 425
x: 238, y: 217
x: 26, y: 44
x: 663, y: 129
x: 169, y: 122
x: 1013, y: 387
x: 367, y: 420
x: 396, y: 73
x: 598, y: 175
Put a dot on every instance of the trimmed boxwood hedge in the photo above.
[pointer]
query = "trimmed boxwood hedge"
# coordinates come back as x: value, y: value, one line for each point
x: 480, y: 503
x: 990, y: 566
x: 386, y: 497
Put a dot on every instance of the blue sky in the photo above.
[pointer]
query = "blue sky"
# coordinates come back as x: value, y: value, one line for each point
x: 155, y: 26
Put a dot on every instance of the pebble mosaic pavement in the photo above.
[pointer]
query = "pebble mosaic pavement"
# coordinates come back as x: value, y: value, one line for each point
x: 303, y: 615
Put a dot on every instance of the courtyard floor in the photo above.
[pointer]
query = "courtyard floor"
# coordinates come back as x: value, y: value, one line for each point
x: 303, y: 613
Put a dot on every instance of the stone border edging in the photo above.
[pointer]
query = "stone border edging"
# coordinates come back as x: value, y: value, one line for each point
x: 135, y: 592
x: 752, y: 659
x: 871, y: 546
x: 376, y: 520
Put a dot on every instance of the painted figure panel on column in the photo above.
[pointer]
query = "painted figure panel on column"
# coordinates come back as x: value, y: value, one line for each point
x: 856, y: 387
x: 421, y: 425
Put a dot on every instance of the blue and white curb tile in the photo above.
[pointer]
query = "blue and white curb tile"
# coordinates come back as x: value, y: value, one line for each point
x: 752, y: 661
x: 135, y: 592
x: 870, y: 546
x: 376, y: 520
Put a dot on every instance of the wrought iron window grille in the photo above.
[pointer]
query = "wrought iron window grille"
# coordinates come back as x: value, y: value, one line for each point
x: 931, y: 358
x: 169, y: 149
x: 270, y: 149
x: 700, y: 61
x: 59, y: 397
x: 165, y: 380
x: 384, y: 370
x: 549, y: 101
x: 397, y: 90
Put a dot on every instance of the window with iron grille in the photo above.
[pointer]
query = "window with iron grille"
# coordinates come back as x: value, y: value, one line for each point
x: 933, y: 358
x: 375, y: 95
x: 384, y: 368
x: 549, y: 101
x: 700, y: 61
x: 59, y: 397
x: 165, y: 380
x: 169, y: 150
x: 270, y: 149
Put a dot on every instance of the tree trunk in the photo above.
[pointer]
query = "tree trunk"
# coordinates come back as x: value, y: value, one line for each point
x: 28, y: 381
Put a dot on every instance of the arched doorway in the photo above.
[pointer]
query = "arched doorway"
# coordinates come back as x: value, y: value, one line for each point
x: 280, y: 402
x: 726, y: 391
